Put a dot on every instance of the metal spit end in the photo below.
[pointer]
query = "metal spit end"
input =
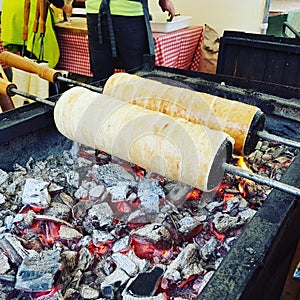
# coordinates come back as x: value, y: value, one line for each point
x: 257, y: 125
x: 217, y: 169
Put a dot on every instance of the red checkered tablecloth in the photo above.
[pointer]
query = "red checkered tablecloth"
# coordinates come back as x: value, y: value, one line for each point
x: 178, y: 49
x: 74, y: 53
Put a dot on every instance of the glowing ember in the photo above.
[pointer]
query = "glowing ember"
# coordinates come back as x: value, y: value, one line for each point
x: 244, y: 182
x: 27, y: 208
x: 219, y: 236
x: 184, y: 284
x: 243, y: 164
x: 123, y: 207
x: 188, y: 234
x: 243, y: 188
x: 47, y: 295
x: 228, y: 196
x: 146, y: 250
x: 101, y: 249
x: 286, y: 163
x: 194, y: 194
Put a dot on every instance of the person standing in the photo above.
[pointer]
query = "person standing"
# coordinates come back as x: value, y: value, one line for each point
x: 119, y: 34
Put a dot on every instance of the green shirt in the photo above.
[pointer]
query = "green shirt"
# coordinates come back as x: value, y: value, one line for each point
x: 12, y: 19
x: 117, y: 7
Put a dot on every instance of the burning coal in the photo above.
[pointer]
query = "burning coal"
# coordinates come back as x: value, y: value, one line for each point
x: 86, y: 225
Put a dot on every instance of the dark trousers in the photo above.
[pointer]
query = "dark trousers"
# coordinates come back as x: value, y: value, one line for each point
x: 131, y: 41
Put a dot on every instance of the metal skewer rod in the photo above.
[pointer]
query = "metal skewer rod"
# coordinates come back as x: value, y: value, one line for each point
x: 74, y: 82
x: 42, y: 71
x: 15, y: 91
x: 262, y: 180
x: 275, y: 138
x: 10, y: 89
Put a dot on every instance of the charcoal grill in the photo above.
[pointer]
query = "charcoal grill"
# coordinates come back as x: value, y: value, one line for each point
x: 257, y: 264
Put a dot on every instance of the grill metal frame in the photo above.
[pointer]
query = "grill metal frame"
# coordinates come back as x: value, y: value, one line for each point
x: 257, y: 265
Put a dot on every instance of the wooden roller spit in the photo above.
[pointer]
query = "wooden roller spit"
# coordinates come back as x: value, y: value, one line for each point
x: 254, y: 130
x: 173, y: 147
x: 239, y: 120
x: 43, y: 71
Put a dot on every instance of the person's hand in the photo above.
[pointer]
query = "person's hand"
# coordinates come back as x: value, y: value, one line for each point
x: 167, y: 5
x: 67, y: 8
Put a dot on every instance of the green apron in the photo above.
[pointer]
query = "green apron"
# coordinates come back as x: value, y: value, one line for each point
x: 104, y: 7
